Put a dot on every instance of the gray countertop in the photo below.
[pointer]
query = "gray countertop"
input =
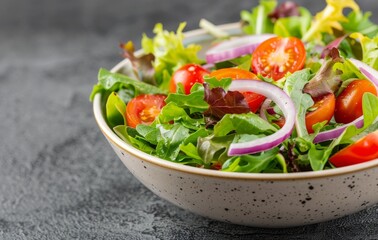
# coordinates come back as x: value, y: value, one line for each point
x: 59, y: 178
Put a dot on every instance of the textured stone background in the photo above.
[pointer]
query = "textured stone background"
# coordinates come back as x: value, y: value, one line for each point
x: 59, y: 179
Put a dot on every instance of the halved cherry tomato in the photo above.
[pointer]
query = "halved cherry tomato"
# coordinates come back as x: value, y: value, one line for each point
x: 143, y: 109
x: 349, y: 102
x: 322, y: 110
x: 254, y: 100
x: 188, y: 75
x: 365, y: 149
x: 276, y: 56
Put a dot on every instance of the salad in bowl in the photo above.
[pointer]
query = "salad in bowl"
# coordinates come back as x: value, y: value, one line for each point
x: 287, y: 92
x: 270, y: 122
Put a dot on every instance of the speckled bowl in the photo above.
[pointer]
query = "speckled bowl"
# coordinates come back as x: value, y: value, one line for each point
x: 263, y: 200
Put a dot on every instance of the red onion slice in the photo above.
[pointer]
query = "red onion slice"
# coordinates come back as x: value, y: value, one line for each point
x: 264, y: 108
x: 336, y: 132
x: 235, y: 48
x: 282, y: 100
x: 370, y: 73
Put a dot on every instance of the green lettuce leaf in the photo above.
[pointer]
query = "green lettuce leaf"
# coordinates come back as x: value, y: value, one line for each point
x: 115, y: 110
x: 293, y: 26
x: 360, y: 22
x: 369, y: 49
x: 247, y: 123
x: 257, y: 21
x: 113, y: 82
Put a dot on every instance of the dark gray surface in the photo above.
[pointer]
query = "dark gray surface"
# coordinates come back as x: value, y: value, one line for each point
x: 59, y: 178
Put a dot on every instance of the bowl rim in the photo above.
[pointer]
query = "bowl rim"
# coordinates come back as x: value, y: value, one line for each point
x: 117, y: 141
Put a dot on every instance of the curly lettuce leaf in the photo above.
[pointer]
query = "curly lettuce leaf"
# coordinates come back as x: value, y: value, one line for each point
x: 141, y: 66
x: 369, y: 49
x: 169, y: 52
x: 328, y: 19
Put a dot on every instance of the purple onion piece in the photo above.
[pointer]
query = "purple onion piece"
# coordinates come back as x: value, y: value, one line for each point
x: 336, y: 132
x: 235, y: 48
x: 283, y: 101
x: 370, y: 73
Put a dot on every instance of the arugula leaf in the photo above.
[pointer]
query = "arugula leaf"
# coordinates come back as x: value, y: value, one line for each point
x: 248, y: 123
x: 149, y: 132
x: 193, y: 101
x: 214, y: 82
x: 130, y: 135
x: 250, y: 163
x: 302, y: 101
x: 213, y: 148
x: 172, y: 112
x: 112, y: 82
x: 257, y: 21
x: 169, y: 140
x: 190, y: 150
x: 329, y: 18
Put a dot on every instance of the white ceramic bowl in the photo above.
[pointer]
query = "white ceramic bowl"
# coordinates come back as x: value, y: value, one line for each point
x: 263, y: 200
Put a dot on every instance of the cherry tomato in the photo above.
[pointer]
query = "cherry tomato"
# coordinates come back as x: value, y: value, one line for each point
x: 254, y: 100
x: 188, y: 75
x: 323, y: 110
x: 143, y: 109
x: 365, y: 149
x: 349, y: 102
x: 277, y: 56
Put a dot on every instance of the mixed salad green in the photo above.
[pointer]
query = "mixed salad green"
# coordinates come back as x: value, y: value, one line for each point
x: 294, y: 92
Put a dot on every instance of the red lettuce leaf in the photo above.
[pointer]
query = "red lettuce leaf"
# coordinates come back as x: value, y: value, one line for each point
x: 326, y: 80
x: 142, y: 65
x: 285, y: 9
x: 222, y: 103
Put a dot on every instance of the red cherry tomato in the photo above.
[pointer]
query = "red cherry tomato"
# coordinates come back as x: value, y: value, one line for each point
x: 365, y: 149
x: 187, y: 75
x: 323, y: 110
x: 254, y: 100
x: 143, y: 109
x: 277, y: 56
x: 349, y: 102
